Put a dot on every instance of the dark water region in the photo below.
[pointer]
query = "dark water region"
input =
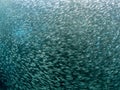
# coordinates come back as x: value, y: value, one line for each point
x: 2, y: 86
x: 59, y: 44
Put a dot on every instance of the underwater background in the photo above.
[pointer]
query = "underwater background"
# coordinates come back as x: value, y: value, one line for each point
x: 59, y: 44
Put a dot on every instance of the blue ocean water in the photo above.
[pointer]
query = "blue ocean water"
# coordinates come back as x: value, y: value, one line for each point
x: 59, y: 44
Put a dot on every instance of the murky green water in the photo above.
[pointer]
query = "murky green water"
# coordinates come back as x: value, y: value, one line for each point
x: 59, y: 44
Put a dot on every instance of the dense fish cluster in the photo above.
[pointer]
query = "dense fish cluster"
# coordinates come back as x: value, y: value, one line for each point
x: 59, y: 44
